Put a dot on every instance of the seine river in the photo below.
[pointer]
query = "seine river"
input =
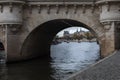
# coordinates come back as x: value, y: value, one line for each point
x: 67, y: 58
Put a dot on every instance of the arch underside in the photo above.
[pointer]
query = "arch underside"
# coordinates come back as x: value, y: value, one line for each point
x: 1, y: 46
x: 39, y: 40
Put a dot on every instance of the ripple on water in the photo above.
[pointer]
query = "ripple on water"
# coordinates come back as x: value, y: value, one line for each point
x: 71, y: 57
x: 67, y: 58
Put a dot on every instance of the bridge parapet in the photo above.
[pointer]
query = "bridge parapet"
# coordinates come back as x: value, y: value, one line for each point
x: 58, y: 5
x: 11, y: 11
x: 110, y: 10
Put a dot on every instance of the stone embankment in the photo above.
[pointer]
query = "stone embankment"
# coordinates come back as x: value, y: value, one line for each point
x: 106, y: 69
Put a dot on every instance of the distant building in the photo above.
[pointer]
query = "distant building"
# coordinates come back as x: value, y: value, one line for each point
x: 66, y: 34
x: 79, y: 33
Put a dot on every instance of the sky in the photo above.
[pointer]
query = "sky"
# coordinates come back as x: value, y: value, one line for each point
x: 72, y: 30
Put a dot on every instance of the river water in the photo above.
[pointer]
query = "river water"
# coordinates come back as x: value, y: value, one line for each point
x: 67, y: 58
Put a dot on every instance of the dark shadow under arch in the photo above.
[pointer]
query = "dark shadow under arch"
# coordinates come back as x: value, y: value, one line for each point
x: 39, y: 40
x: 1, y: 46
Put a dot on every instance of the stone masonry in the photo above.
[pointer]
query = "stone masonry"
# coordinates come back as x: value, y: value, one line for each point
x: 27, y: 27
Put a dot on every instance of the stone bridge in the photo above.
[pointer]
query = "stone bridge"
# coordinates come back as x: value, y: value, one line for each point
x: 27, y: 27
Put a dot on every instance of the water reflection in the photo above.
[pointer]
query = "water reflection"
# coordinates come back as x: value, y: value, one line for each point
x: 67, y: 58
x: 32, y: 70
x: 3, y: 72
x: 2, y: 56
x: 3, y: 69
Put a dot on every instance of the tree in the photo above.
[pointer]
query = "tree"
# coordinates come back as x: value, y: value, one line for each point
x: 89, y: 35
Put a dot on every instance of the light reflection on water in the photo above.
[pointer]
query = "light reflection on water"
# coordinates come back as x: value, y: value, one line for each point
x: 3, y: 72
x: 67, y: 58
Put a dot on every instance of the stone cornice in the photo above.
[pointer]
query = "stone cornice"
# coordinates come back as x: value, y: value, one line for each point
x: 44, y: 3
x: 60, y: 0
x: 2, y: 23
x: 16, y: 1
x: 109, y: 1
x: 59, y: 3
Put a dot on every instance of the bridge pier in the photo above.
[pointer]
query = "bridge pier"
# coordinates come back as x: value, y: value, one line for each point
x: 10, y: 22
x: 11, y: 40
x: 108, y: 42
x: 110, y: 18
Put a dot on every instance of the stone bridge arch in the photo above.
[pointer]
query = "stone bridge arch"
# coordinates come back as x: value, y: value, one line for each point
x: 39, y: 40
x: 23, y: 18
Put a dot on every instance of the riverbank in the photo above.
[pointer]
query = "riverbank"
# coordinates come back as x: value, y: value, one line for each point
x: 55, y: 42
x: 106, y: 69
